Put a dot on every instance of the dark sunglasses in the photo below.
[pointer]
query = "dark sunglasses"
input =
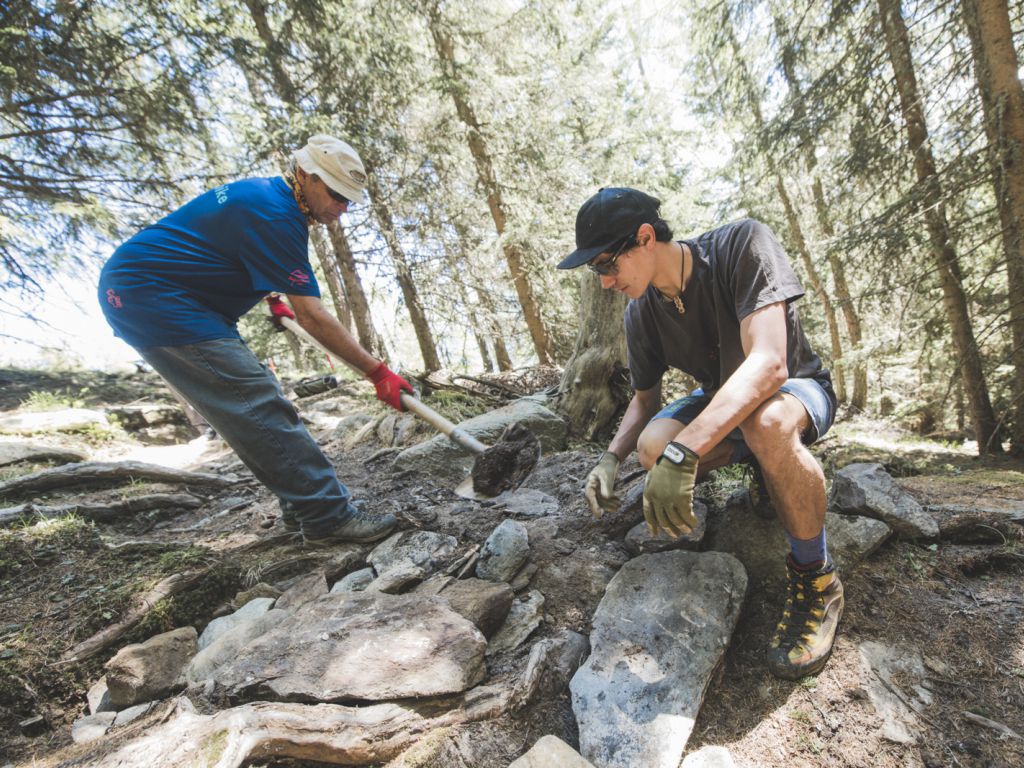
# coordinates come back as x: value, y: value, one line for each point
x: 608, y: 267
x: 335, y: 196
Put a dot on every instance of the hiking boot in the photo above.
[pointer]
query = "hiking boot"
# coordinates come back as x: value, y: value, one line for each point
x: 758, y: 500
x: 803, y: 638
x: 360, y: 528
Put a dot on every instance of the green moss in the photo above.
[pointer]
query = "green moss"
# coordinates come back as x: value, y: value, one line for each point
x: 211, y: 748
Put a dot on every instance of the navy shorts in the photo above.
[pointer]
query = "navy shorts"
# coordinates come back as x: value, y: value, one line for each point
x: 816, y: 397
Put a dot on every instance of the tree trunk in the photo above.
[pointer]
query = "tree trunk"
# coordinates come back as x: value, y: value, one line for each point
x: 796, y: 232
x: 792, y: 218
x: 1002, y: 100
x: 445, y: 47
x: 428, y: 350
x: 943, y: 252
x: 859, y: 398
x: 368, y: 337
x: 329, y: 265
x: 594, y: 389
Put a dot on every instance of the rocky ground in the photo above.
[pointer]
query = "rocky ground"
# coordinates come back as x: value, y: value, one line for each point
x: 928, y: 669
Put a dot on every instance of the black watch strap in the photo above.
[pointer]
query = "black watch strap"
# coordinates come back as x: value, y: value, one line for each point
x: 677, y: 453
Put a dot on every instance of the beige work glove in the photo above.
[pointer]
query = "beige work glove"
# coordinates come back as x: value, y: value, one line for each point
x: 668, y: 492
x: 600, y: 487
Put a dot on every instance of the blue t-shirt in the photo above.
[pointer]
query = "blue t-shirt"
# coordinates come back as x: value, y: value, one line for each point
x: 191, y: 275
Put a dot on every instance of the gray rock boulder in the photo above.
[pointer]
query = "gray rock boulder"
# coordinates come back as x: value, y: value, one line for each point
x: 658, y: 635
x: 356, y: 581
x: 229, y: 644
x: 409, y: 556
x: 524, y: 617
x: 868, y: 490
x: 640, y: 542
x: 360, y: 645
x: 893, y: 681
x: 306, y: 588
x: 149, y: 670
x: 709, y: 757
x: 440, y: 457
x: 761, y: 544
x: 217, y: 627
x: 485, y: 603
x: 526, y: 502
x: 504, y: 552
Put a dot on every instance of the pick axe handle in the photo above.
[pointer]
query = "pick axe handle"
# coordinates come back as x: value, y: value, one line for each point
x: 458, y: 436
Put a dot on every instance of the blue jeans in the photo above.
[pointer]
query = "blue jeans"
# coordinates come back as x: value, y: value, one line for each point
x: 816, y: 397
x: 243, y: 401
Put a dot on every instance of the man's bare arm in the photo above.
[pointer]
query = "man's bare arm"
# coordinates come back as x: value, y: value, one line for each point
x: 641, y: 409
x: 759, y: 376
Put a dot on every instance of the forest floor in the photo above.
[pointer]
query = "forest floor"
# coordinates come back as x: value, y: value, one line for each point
x: 959, y: 603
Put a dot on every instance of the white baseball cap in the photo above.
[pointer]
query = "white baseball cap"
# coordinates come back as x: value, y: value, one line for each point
x: 336, y: 163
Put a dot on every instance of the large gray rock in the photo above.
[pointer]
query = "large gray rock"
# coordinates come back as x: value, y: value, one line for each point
x: 640, y: 542
x: 658, y: 634
x: 149, y: 670
x: 92, y: 727
x: 307, y: 587
x: 220, y: 626
x: 229, y: 644
x: 442, y: 458
x: 504, y: 552
x: 361, y: 645
x: 526, y: 502
x: 409, y: 556
x: 868, y: 490
x: 761, y: 544
x: 551, y: 752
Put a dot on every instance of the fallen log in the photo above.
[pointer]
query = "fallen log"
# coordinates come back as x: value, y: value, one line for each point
x: 101, y: 513
x: 92, y: 472
x: 172, y: 585
x: 325, y: 733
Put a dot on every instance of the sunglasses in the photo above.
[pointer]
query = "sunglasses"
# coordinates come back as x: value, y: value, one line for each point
x: 335, y: 196
x: 608, y: 267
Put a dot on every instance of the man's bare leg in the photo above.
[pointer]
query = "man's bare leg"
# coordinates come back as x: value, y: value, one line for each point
x: 803, y: 640
x: 661, y: 432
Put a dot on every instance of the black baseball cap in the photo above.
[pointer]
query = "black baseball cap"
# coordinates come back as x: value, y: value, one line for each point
x: 608, y: 218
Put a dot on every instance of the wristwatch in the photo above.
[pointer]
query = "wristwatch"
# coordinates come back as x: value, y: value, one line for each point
x: 676, y: 452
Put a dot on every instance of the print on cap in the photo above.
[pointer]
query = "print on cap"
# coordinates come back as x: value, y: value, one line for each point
x: 298, y: 277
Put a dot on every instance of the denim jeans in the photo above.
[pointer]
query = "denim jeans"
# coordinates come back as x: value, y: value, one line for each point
x: 243, y: 401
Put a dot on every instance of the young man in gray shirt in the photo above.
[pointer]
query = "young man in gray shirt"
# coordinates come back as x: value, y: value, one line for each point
x: 721, y: 308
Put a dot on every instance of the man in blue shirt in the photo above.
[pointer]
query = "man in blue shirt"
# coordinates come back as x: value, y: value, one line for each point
x: 176, y: 290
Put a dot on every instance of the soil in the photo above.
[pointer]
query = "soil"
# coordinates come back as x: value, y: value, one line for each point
x: 957, y: 601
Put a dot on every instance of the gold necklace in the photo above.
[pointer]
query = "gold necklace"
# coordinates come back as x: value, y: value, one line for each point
x: 300, y: 198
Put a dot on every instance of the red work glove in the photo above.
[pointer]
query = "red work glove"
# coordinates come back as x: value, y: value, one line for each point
x: 279, y: 309
x: 389, y: 386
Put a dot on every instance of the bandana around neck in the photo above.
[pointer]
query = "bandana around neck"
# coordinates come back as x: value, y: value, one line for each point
x: 300, y: 198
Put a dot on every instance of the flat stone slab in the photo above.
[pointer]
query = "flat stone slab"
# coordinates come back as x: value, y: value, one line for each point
x: 882, y: 664
x: 524, y: 617
x: 868, y: 490
x: 360, y: 645
x: 410, y: 555
x: 658, y: 634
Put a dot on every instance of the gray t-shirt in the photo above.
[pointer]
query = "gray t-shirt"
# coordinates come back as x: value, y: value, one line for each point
x: 737, y: 269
